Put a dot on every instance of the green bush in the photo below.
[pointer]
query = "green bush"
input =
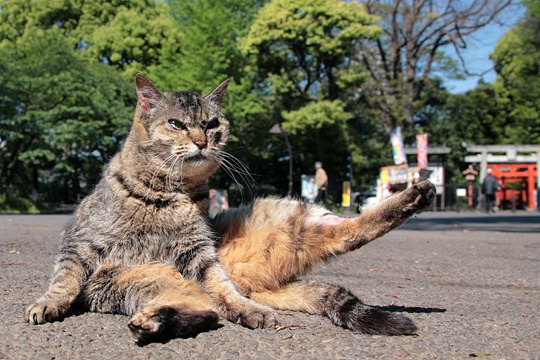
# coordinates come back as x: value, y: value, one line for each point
x: 13, y: 203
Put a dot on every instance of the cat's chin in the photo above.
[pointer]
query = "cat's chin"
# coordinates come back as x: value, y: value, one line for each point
x: 197, y: 166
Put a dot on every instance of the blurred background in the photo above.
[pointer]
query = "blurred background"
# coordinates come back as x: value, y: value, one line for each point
x: 312, y: 80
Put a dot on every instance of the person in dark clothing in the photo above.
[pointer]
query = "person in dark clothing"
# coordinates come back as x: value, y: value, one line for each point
x: 489, y: 187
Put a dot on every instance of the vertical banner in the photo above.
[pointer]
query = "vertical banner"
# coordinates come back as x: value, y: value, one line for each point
x: 346, y: 195
x: 421, y: 150
x: 397, y: 147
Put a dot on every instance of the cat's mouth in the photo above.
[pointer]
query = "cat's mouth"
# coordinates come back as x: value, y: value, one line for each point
x: 195, y: 158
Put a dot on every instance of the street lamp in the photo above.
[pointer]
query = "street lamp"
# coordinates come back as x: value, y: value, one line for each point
x: 276, y: 129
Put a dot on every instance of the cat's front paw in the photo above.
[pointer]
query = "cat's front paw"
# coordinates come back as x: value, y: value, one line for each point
x: 147, y: 325
x: 43, y: 311
x: 418, y: 197
x: 165, y: 322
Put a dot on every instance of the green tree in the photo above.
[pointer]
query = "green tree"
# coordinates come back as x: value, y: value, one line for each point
x: 476, y: 117
x: 65, y: 105
x: 301, y: 53
x: 61, y: 117
x: 132, y: 35
x: 517, y: 62
x: 209, y: 30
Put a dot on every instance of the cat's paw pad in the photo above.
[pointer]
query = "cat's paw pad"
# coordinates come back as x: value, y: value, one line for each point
x: 419, y: 196
x: 146, y: 325
x: 43, y: 311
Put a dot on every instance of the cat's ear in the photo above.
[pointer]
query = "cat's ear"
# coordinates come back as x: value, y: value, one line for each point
x: 218, y: 94
x: 147, y: 94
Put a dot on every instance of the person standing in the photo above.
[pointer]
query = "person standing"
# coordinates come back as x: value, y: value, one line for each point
x: 321, y: 181
x: 489, y: 187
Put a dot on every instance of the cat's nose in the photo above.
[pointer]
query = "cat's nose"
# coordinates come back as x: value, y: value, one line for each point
x: 201, y: 143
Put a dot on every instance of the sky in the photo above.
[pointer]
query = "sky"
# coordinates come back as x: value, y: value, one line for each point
x: 479, y: 46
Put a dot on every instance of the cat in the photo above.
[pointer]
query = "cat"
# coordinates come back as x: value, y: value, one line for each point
x: 143, y: 244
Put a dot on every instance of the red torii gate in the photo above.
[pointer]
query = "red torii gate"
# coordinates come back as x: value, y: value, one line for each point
x: 510, y: 164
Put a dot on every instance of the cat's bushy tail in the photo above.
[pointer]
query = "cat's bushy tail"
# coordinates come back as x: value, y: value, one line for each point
x: 338, y: 304
x: 344, y: 309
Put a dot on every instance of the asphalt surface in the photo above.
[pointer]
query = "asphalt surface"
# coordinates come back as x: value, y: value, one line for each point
x: 470, y: 281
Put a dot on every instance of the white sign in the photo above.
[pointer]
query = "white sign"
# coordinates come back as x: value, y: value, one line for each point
x: 437, y: 176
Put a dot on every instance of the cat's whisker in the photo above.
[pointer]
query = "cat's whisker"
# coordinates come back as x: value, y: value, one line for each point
x: 238, y: 165
x: 168, y: 186
x: 181, y: 171
x: 231, y: 170
x: 232, y: 165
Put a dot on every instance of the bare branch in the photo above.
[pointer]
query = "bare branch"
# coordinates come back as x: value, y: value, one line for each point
x: 413, y: 34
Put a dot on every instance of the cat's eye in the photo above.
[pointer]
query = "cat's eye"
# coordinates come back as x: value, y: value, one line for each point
x: 212, y: 124
x: 177, y: 124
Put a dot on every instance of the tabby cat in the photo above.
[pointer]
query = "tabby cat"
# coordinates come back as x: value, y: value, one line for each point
x: 143, y: 244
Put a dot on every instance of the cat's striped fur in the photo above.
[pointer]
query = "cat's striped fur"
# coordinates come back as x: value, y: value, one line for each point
x: 142, y: 243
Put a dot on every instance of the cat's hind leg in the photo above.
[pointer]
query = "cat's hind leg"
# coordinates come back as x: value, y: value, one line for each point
x: 275, y: 241
x: 162, y: 303
x: 338, y: 304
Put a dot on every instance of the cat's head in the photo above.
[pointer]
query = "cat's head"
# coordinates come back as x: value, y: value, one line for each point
x: 185, y: 132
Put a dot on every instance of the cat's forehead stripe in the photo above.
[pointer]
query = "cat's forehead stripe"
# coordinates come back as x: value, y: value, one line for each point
x: 191, y: 104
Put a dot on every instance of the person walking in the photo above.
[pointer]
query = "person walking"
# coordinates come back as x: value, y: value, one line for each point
x: 489, y: 187
x: 321, y: 181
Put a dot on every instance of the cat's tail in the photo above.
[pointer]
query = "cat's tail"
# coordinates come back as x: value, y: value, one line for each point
x: 341, y: 306
x: 346, y: 310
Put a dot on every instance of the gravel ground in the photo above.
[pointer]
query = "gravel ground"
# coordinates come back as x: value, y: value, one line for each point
x: 470, y: 281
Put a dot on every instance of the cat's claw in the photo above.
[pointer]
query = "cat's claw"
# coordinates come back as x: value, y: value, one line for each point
x: 42, y: 311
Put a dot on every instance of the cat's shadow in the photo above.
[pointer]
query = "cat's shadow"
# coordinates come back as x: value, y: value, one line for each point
x: 77, y: 311
x: 411, y: 309
x: 166, y: 339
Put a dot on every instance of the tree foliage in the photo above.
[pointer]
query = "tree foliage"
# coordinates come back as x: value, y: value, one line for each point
x: 132, y: 35
x: 336, y: 75
x: 301, y: 53
x: 517, y: 62
x: 61, y: 117
x: 300, y: 46
x: 209, y: 30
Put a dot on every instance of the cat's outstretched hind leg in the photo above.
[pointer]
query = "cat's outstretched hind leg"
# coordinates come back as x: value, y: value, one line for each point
x: 338, y: 304
x: 274, y: 241
x: 345, y: 235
